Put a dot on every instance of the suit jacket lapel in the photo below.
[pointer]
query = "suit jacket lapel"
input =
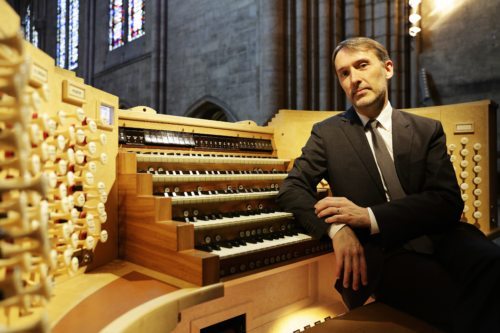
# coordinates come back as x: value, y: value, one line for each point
x: 353, y: 129
x: 402, y: 135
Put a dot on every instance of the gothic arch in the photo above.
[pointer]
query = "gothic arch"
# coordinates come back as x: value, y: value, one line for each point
x: 209, y: 107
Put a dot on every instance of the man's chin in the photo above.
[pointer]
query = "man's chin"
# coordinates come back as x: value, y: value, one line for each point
x: 362, y: 102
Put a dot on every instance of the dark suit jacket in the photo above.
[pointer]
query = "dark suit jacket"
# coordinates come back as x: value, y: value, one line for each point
x: 338, y: 152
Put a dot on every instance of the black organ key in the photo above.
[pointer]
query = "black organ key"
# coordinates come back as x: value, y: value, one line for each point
x: 251, y: 240
x: 235, y: 243
x: 226, y: 245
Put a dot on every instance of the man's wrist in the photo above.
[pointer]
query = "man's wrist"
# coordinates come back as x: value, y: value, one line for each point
x: 374, y: 229
x: 334, y: 228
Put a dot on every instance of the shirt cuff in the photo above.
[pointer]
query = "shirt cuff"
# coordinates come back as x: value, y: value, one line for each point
x: 334, y: 228
x: 373, y: 223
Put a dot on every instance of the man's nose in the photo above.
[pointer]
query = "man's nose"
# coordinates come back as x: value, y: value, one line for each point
x: 355, y: 78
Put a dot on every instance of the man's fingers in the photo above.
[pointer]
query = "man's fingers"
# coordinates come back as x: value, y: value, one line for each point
x: 329, y: 202
x: 347, y: 270
x: 331, y: 211
x: 339, y: 264
x: 355, y: 272
x: 363, y: 270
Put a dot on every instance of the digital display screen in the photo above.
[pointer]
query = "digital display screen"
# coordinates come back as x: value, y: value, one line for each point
x: 106, y: 114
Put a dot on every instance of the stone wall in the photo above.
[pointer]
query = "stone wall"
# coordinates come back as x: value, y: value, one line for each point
x: 460, y: 50
x: 216, y: 51
x: 253, y: 57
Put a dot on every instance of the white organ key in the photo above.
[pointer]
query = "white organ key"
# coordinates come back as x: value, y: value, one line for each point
x: 212, y: 178
x: 206, y: 198
x: 261, y: 246
x: 145, y: 157
x: 226, y: 221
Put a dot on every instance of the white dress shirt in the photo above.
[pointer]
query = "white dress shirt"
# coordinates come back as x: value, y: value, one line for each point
x: 385, y: 130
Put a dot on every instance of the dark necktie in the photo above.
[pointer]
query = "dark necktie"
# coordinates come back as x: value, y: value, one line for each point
x: 420, y: 244
x: 385, y: 163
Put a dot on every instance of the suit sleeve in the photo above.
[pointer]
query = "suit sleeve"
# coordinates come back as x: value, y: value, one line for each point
x: 298, y: 192
x: 435, y: 206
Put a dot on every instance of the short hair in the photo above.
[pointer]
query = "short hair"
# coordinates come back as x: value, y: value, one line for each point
x: 362, y: 44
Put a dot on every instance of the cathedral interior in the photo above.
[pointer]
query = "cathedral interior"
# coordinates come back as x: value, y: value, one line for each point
x: 142, y: 102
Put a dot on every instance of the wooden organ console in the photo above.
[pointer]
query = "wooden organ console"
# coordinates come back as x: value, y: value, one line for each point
x: 212, y: 186
x: 126, y: 220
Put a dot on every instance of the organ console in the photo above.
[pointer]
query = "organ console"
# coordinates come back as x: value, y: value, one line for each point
x: 175, y: 217
x: 216, y: 184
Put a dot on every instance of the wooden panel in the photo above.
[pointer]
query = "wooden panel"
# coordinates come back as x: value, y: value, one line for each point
x: 121, y: 295
x: 127, y: 163
x: 272, y: 300
x: 174, y: 236
x: 168, y: 122
x: 197, y: 267
x: 293, y: 128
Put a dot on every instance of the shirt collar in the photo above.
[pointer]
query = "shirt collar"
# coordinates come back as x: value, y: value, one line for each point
x: 384, y: 118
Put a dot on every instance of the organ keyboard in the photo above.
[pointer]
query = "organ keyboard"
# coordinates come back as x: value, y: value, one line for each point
x: 217, y: 182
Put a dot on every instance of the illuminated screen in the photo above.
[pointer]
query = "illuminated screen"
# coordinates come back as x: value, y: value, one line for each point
x: 107, y: 114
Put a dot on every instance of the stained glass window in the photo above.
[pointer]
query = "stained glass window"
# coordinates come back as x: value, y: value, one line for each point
x: 61, y: 33
x: 135, y: 19
x: 74, y: 23
x: 30, y: 33
x: 27, y: 24
x: 126, y: 21
x: 68, y: 24
x: 116, y: 24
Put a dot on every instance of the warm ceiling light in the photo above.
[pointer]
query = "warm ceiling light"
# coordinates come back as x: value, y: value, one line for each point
x: 414, y: 3
x: 414, y: 31
x: 414, y: 18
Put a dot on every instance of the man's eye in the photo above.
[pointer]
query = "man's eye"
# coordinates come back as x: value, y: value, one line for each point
x: 344, y: 74
x: 363, y: 65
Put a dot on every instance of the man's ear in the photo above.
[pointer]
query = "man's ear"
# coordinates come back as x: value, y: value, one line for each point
x: 389, y: 69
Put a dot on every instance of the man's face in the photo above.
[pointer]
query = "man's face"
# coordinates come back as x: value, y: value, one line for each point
x: 364, y: 79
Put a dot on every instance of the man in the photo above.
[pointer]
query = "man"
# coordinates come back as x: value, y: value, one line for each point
x: 394, y: 215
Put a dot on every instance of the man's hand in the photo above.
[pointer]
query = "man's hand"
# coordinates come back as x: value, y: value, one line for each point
x: 342, y: 210
x: 350, y: 256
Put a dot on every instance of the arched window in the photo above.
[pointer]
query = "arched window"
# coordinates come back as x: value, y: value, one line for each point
x: 135, y: 19
x: 116, y: 24
x: 30, y: 32
x: 68, y: 25
x: 126, y: 18
x: 211, y: 108
x: 209, y: 111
